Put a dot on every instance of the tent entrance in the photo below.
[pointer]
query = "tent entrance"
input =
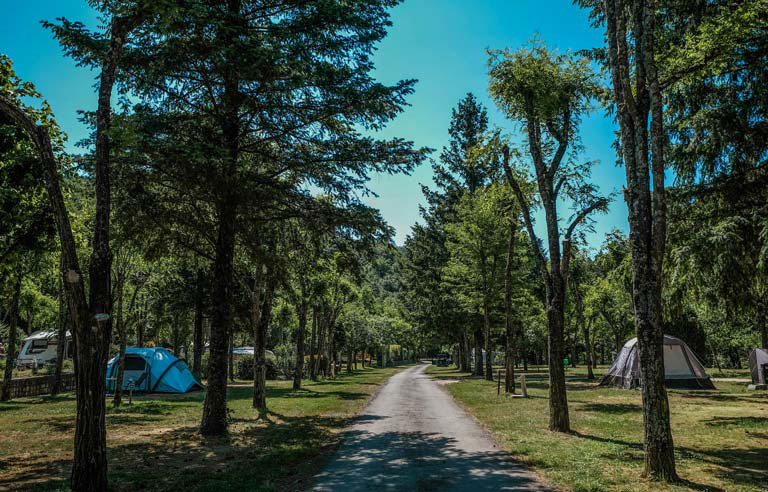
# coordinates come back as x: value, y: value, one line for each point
x: 135, y: 368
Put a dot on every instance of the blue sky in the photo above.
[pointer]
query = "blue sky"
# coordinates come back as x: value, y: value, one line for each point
x: 441, y: 43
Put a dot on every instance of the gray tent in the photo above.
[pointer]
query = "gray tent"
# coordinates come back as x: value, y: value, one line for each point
x: 681, y: 367
x: 758, y: 365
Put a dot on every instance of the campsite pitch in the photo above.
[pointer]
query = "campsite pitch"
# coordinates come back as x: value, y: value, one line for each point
x: 153, y: 444
x: 721, y: 436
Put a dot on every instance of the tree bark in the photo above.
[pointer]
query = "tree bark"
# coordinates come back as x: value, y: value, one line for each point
x: 260, y: 343
x: 214, y: 420
x: 231, y: 357
x: 488, y: 341
x: 117, y: 399
x: 298, y: 372
x: 559, y: 419
x: 647, y: 212
x: 198, y: 347
x: 89, y: 469
x: 11, y: 352
x: 763, y: 318
x: 313, y: 346
x: 589, y: 352
x: 510, y: 319
x: 61, y: 340
x: 479, y: 367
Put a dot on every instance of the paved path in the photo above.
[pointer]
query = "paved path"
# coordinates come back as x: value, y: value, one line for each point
x: 414, y: 437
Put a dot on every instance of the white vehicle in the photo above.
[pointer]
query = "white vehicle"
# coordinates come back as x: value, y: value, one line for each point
x: 39, y: 349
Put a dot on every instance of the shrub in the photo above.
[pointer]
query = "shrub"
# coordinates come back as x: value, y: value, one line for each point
x: 244, y: 368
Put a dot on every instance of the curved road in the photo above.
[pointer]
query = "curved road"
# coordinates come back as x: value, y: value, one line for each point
x: 414, y: 437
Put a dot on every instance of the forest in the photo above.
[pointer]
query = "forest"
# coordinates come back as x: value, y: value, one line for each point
x: 217, y: 209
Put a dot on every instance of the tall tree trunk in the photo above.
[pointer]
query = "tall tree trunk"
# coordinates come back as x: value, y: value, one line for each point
x: 559, y: 419
x: 488, y: 342
x: 763, y: 318
x: 260, y: 343
x: 89, y: 468
x: 72, y: 275
x: 214, y: 420
x: 11, y: 352
x: 588, y: 349
x: 117, y: 399
x: 300, y: 332
x: 198, y: 347
x: 331, y: 352
x: 231, y: 357
x: 510, y: 319
x: 61, y: 340
x: 141, y: 325
x: 350, y: 355
x: 313, y: 346
x: 647, y: 210
x: 467, y: 360
x: 321, y: 340
x: 478, y: 351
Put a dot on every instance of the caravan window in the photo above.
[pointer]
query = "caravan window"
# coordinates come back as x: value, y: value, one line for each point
x: 134, y: 364
x: 38, y: 346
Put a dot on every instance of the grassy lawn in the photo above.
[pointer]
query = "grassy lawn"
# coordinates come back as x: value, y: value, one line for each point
x: 721, y: 437
x: 153, y: 444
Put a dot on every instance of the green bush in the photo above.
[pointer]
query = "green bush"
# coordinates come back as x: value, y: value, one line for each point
x: 244, y: 368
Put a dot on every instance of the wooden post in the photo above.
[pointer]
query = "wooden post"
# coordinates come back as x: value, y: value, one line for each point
x: 523, y: 387
x: 498, y: 385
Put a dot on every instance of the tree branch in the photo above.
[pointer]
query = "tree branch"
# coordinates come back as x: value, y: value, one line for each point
x: 526, y: 212
x: 598, y: 204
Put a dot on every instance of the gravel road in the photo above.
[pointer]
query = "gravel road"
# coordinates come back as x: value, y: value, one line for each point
x: 414, y: 437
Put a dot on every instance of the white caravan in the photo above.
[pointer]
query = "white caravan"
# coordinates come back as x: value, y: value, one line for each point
x: 39, y: 349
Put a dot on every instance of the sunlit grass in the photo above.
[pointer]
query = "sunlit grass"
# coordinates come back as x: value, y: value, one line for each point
x: 721, y: 436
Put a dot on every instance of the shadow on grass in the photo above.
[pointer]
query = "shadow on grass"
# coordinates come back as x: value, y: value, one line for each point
x: 246, y: 393
x: 257, y: 455
x: 39, y: 475
x: 21, y: 403
x: 611, y: 408
x: 745, y: 466
x: 737, y: 421
x: 722, y: 397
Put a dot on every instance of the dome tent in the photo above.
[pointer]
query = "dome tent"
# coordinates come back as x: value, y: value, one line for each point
x: 154, y: 370
x: 681, y: 367
x: 758, y: 366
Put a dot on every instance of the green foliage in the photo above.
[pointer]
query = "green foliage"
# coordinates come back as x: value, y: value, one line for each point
x: 477, y: 244
x: 545, y: 79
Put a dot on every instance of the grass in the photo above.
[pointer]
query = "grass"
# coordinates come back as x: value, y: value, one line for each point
x: 721, y: 437
x: 153, y: 444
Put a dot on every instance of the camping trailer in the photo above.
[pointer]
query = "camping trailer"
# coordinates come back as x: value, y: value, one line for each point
x: 152, y: 370
x: 682, y: 369
x: 39, y: 349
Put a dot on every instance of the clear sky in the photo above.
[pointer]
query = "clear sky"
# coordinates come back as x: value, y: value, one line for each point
x: 441, y: 43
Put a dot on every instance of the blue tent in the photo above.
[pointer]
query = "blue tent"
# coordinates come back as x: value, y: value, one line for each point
x: 154, y: 370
